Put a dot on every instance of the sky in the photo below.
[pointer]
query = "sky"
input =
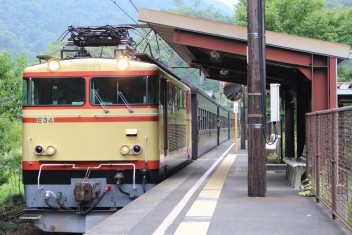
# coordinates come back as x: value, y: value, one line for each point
x: 229, y: 2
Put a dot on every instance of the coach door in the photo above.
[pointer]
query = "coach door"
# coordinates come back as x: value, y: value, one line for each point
x: 218, y: 125
x: 163, y: 123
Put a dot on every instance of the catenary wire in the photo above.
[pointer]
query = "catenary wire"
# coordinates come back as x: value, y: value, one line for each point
x: 164, y: 46
x: 134, y: 5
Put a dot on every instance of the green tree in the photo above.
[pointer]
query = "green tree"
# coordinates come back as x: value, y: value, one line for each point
x: 54, y: 48
x: 345, y: 74
x: 198, y: 12
x: 306, y: 18
x: 11, y: 85
x: 10, y: 110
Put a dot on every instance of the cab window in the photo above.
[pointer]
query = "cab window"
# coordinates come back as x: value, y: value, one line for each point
x: 118, y: 90
x: 53, y: 91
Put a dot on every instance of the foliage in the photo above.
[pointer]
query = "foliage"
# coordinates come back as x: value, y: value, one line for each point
x: 30, y: 26
x: 12, y: 201
x: 10, y: 226
x: 349, y: 210
x: 11, y: 134
x: 307, y: 18
x: 195, y: 11
x: 11, y: 85
x: 12, y: 162
x: 10, y: 124
x: 54, y: 48
x: 306, y: 190
x: 345, y: 74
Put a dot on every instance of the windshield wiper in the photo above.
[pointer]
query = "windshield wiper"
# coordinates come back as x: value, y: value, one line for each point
x: 101, y: 102
x: 128, y: 106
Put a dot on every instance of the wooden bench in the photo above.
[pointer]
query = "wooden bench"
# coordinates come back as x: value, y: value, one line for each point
x: 295, y: 170
x: 273, y: 147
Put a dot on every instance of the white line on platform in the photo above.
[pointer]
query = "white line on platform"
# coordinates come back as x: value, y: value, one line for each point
x: 177, y: 210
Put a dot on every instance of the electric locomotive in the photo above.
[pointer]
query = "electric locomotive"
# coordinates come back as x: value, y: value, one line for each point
x: 99, y: 132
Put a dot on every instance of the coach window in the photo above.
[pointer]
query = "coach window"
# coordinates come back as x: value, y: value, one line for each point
x: 206, y: 120
x: 184, y: 100
x: 200, y: 119
x: 53, y: 91
x: 181, y: 98
x: 171, y: 92
x: 177, y: 97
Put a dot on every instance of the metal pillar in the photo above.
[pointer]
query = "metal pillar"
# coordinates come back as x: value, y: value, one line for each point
x: 303, y: 90
x: 243, y: 122
x: 289, y: 126
x: 256, y: 75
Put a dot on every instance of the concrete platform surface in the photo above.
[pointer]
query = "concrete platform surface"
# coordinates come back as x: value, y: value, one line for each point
x: 210, y: 196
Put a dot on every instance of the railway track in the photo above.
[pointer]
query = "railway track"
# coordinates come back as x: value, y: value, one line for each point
x: 12, y: 214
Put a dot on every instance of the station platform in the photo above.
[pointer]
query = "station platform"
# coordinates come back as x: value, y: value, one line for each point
x: 210, y: 196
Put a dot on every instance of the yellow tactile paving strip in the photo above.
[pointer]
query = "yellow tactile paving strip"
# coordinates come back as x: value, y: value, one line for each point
x: 198, y: 228
x: 197, y: 219
x: 218, y: 178
x: 202, y: 208
x: 210, y: 192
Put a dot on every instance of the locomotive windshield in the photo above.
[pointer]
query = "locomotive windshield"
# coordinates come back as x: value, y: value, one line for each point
x: 71, y: 91
x: 53, y: 91
x: 135, y: 90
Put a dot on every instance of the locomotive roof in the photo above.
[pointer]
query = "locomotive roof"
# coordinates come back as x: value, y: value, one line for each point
x: 91, y: 64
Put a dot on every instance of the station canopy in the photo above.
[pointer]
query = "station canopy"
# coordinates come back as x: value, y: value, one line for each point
x: 220, y: 51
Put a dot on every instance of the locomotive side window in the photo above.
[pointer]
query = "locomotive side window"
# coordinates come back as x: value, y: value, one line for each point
x: 153, y: 90
x: 53, y: 91
x: 118, y: 90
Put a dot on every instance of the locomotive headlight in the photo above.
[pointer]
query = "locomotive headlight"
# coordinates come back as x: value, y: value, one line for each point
x: 137, y: 149
x: 38, y: 150
x: 124, y: 149
x: 50, y: 150
x: 122, y: 63
x: 53, y: 65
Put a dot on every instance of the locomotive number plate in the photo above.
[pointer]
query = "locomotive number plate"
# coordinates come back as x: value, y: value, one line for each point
x: 45, y: 120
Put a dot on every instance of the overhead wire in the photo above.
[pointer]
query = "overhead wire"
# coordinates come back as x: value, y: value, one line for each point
x: 164, y: 46
x: 114, y: 1
x: 134, y: 6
